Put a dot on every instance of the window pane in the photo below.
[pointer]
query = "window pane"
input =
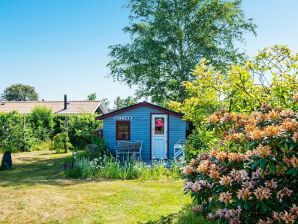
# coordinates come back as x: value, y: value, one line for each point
x: 123, y: 132
x: 159, y: 125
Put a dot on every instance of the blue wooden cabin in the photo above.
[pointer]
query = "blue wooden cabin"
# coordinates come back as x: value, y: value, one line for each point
x: 158, y: 129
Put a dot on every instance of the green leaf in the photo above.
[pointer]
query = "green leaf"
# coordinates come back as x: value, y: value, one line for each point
x: 255, y: 164
x: 264, y: 206
x: 246, y: 206
x: 263, y: 164
x: 272, y: 168
x: 290, y: 171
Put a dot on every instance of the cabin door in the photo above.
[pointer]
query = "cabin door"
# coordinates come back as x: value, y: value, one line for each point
x: 159, y: 136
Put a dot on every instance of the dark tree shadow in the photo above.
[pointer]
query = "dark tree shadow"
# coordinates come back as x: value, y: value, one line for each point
x: 36, y: 171
x: 184, y: 216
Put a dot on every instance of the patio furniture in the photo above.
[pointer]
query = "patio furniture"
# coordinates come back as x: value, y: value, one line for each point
x: 179, y: 153
x: 129, y: 150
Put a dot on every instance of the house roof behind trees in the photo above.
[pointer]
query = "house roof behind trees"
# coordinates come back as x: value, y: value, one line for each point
x: 57, y: 107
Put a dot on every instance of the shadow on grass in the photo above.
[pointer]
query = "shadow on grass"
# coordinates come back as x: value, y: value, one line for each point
x: 36, y: 171
x: 184, y: 216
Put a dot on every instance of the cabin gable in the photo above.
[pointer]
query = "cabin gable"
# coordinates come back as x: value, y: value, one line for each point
x: 140, y: 128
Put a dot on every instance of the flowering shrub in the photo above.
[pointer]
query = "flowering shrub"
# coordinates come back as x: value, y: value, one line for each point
x: 251, y: 177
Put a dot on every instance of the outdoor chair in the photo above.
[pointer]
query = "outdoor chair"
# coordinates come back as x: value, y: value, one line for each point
x: 127, y: 150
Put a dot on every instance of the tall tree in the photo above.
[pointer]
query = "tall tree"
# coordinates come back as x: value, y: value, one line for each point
x: 19, y: 92
x: 124, y: 102
x: 91, y: 96
x: 169, y: 37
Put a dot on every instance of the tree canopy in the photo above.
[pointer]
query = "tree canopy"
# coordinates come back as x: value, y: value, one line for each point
x: 91, y: 96
x: 269, y: 78
x: 124, y: 102
x: 19, y: 92
x: 169, y: 37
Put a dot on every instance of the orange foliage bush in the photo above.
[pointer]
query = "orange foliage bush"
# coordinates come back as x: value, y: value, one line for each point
x: 251, y: 176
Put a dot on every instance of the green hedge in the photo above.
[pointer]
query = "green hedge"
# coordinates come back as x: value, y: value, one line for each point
x: 20, y: 132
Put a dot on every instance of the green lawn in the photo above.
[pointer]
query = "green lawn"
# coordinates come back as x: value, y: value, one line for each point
x: 36, y: 192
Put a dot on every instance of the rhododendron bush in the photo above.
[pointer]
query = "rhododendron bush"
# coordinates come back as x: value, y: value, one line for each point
x: 251, y: 176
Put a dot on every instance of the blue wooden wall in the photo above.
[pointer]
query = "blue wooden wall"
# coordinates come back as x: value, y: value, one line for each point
x: 140, y: 129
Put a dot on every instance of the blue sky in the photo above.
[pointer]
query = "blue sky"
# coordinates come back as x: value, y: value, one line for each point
x: 61, y: 46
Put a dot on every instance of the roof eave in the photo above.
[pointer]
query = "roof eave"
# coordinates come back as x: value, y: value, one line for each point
x: 144, y: 104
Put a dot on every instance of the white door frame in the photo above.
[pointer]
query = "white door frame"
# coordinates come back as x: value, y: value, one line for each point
x: 164, y: 135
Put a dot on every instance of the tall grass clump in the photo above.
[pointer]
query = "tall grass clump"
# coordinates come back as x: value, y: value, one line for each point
x: 107, y: 167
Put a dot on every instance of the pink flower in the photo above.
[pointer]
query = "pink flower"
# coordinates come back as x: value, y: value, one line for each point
x: 268, y: 221
x: 188, y: 185
x: 188, y: 170
x: 225, y: 181
x: 197, y: 208
x: 285, y: 192
x: 244, y: 194
x: 271, y: 184
x: 262, y: 193
x: 225, y: 197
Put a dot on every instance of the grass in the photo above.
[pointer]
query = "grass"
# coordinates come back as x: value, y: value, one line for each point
x: 35, y: 191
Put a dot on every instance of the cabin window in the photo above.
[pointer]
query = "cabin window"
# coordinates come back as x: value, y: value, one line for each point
x: 122, y: 130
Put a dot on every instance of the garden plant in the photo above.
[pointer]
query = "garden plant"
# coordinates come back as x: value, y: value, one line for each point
x: 83, y: 164
x: 35, y: 131
x: 250, y: 176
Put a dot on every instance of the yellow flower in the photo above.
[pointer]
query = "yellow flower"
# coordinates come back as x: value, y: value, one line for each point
x: 235, y: 157
x: 213, y: 152
x: 274, y: 115
x: 256, y: 134
x: 221, y: 156
x: 235, y: 137
x: 250, y: 127
x: 261, y: 117
x: 263, y: 151
x: 214, y: 118
x: 289, y: 125
x: 272, y: 131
